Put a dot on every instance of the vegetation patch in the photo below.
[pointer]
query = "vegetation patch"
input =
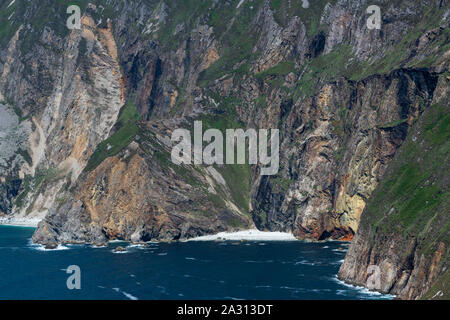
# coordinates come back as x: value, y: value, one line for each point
x: 281, y: 69
x: 413, y: 200
x: 393, y: 124
x: 399, y: 55
x: 261, y: 102
x: 237, y: 177
x: 280, y: 184
x: 284, y: 10
x: 237, y: 42
x: 186, y: 13
x: 128, y: 128
x: 326, y: 67
x: 440, y: 290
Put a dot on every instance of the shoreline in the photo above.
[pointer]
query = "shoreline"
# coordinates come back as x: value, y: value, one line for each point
x: 242, y: 235
x: 19, y: 222
x: 249, y: 235
x: 384, y: 296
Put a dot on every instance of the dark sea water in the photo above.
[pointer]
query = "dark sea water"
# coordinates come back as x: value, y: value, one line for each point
x: 187, y: 270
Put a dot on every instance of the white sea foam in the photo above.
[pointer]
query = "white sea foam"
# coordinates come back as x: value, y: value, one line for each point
x: 117, y: 241
x: 262, y: 286
x: 253, y: 234
x: 119, y: 252
x: 362, y: 290
x: 305, y: 262
x: 338, y: 262
x: 263, y: 261
x: 136, y: 245
x: 42, y: 248
x: 339, y: 250
x: 19, y: 222
x: 39, y: 247
x: 126, y: 294
x: 129, y: 296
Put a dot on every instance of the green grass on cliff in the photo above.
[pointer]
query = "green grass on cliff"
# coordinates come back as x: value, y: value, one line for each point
x: 39, y: 182
x: 412, y: 202
x: 284, y: 10
x: 413, y: 199
x: 393, y: 124
x: 119, y: 140
x: 281, y: 69
x: 440, y: 290
x: 237, y: 176
x: 9, y: 23
x: 231, y: 28
x: 184, y: 13
x: 35, y: 17
x: 325, y: 66
x: 401, y: 54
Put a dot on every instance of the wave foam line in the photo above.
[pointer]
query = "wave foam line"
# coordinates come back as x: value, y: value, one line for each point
x: 252, y: 234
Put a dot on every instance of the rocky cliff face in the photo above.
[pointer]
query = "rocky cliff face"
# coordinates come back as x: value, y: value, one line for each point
x: 62, y: 98
x: 404, y: 228
x: 89, y: 113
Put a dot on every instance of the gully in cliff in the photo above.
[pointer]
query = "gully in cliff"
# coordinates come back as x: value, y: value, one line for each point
x: 213, y: 153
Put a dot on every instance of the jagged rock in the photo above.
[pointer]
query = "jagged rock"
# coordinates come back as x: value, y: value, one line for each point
x: 408, y: 245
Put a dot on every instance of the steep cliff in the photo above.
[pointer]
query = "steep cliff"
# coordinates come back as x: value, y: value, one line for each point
x: 93, y: 111
x: 404, y: 229
x: 62, y: 92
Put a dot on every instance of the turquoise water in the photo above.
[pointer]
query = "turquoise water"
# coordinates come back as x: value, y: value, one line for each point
x: 189, y: 270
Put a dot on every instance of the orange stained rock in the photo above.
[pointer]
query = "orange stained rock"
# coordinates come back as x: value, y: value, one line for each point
x: 347, y: 237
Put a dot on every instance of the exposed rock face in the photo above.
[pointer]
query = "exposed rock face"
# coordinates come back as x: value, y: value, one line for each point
x: 68, y: 95
x: 337, y: 154
x: 138, y: 195
x: 92, y: 112
x: 404, y: 228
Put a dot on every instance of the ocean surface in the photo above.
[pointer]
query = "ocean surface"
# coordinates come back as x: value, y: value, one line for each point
x: 183, y: 270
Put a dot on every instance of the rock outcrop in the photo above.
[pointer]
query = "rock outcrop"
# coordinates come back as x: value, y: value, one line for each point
x: 404, y: 228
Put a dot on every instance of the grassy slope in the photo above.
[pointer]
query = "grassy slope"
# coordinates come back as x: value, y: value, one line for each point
x: 120, y: 139
x: 237, y: 176
x: 440, y: 290
x: 48, y: 13
x: 235, y: 39
x: 416, y: 184
x: 413, y: 199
